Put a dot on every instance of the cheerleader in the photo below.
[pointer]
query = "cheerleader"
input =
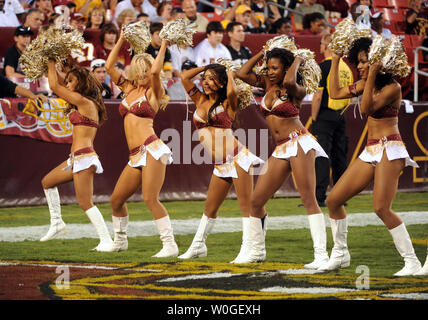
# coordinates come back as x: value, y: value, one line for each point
x: 381, y: 162
x: 86, y: 112
x: 296, y: 149
x: 148, y: 155
x: 216, y: 108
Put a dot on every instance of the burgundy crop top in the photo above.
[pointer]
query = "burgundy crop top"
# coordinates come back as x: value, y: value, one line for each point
x: 220, y: 119
x: 385, y: 112
x: 283, y: 109
x: 140, y: 107
x: 78, y: 120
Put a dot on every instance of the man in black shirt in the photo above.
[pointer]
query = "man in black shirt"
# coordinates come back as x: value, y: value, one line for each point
x: 235, y: 31
x: 154, y: 46
x: 11, y: 59
x: 329, y: 124
x: 8, y: 89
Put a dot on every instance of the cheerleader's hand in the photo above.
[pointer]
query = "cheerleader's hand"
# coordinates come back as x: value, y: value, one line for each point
x: 375, y: 67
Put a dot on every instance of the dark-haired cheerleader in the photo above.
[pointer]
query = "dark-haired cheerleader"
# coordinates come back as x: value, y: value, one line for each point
x: 216, y: 108
x: 295, y: 151
x: 86, y: 111
x: 382, y: 160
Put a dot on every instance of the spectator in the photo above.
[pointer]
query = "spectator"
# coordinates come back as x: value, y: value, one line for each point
x: 236, y: 34
x: 329, y: 124
x: 241, y: 12
x: 16, y: 7
x: 108, y: 37
x: 34, y: 19
x: 7, y: 18
x: 313, y: 24
x: 83, y: 6
x: 211, y: 48
x: 78, y: 21
x: 126, y: 17
x: 96, y: 17
x: 134, y: 5
x: 177, y: 13
x: 145, y: 17
x: 150, y: 7
x: 163, y: 12
x: 356, y: 11
x: 335, y: 8
x: 416, y: 20
x: 84, y: 56
x: 99, y: 72
x: 377, y: 23
x: 22, y: 39
x: 258, y: 7
x: 8, y: 89
x: 180, y: 54
x: 189, y: 8
x: 46, y: 7
x: 154, y: 46
x: 53, y: 20
x: 308, y: 6
x: 282, y: 26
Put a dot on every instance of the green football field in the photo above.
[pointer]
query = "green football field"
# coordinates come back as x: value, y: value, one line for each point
x: 369, y: 245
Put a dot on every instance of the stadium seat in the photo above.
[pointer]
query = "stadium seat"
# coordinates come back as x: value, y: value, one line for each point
x: 212, y: 16
x: 399, y: 4
x: 392, y: 14
x: 382, y: 4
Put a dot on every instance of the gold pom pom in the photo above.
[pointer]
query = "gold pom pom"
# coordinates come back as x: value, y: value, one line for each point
x: 391, y: 53
x: 178, y: 32
x: 346, y: 32
x: 54, y: 43
x: 138, y: 35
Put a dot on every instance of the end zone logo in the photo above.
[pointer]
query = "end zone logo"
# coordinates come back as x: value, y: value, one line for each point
x: 211, y: 281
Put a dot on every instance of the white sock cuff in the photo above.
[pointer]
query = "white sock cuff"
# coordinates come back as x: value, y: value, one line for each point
x: 399, y: 230
x: 120, y: 224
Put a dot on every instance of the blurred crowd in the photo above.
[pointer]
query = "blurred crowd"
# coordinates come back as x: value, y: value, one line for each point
x: 234, y: 18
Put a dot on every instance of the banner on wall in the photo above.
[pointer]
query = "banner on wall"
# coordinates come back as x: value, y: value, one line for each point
x: 36, y: 120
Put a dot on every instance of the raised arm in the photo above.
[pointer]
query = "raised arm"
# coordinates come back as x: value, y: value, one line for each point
x: 186, y: 80
x: 232, y: 95
x: 71, y: 97
x: 387, y: 95
x: 155, y: 71
x: 247, y: 75
x: 290, y: 80
x: 335, y: 90
x: 114, y: 73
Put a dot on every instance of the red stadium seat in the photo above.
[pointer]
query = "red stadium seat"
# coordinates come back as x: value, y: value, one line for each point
x: 399, y: 4
x: 382, y: 4
x: 390, y: 14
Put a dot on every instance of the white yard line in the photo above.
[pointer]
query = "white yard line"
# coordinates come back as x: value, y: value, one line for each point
x: 189, y: 226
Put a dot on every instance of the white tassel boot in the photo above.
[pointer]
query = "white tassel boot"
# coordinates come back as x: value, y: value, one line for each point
x: 246, y: 241
x: 57, y: 226
x: 120, y: 227
x: 169, y: 247
x: 257, y: 252
x: 340, y: 257
x: 198, y: 248
x: 319, y: 238
x: 405, y: 248
x: 100, y: 226
x: 424, y: 270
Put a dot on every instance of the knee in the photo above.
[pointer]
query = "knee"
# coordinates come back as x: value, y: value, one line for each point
x: 116, y: 203
x: 151, y: 201
x: 256, y: 203
x: 45, y: 183
x: 381, y: 210
x: 332, y: 202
